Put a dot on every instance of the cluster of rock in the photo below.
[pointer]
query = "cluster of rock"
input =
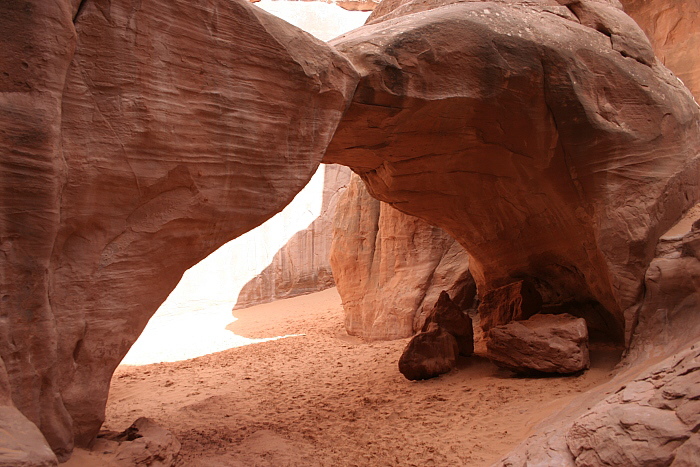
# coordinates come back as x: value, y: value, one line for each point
x: 518, y: 337
x: 543, y: 136
x: 144, y: 443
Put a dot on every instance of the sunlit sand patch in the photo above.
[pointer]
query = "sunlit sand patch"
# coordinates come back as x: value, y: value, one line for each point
x: 189, y: 333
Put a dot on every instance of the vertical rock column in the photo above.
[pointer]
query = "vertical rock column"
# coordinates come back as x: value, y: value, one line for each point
x: 136, y: 138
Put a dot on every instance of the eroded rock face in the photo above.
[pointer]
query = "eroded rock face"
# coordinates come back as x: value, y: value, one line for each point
x: 136, y: 138
x: 667, y: 316
x: 429, y: 354
x: 390, y: 267
x: 551, y: 147
x: 516, y: 301
x: 302, y: 265
x: 448, y: 316
x: 641, y: 413
x: 543, y: 343
x: 674, y: 31
x: 645, y: 422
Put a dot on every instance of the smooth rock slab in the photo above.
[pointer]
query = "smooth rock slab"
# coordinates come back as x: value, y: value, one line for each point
x: 651, y: 421
x: 21, y: 442
x: 543, y: 343
x: 429, y: 354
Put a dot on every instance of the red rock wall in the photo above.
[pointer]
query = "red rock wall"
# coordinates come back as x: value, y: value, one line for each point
x: 136, y: 138
x: 390, y: 267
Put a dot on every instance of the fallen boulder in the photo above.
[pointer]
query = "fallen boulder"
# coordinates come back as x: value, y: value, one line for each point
x: 429, y: 354
x: 449, y: 317
x: 543, y: 343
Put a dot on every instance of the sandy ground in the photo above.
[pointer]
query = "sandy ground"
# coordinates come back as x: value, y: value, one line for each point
x: 327, y: 399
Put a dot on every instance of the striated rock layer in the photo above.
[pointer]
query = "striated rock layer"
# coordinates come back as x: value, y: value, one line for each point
x: 302, y: 265
x: 390, y: 267
x: 136, y: 138
x: 547, y: 140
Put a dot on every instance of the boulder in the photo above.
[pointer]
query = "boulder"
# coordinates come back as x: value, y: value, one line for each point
x: 448, y: 317
x: 302, y: 265
x: 642, y: 414
x: 390, y: 267
x: 429, y: 354
x: 512, y: 302
x: 543, y: 343
x: 552, y: 147
x: 136, y: 138
x: 673, y: 28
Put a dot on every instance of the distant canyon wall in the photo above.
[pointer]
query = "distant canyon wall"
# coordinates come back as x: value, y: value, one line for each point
x: 302, y: 265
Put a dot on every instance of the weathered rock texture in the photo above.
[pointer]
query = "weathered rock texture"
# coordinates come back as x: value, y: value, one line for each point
x: 543, y: 343
x: 390, y: 267
x: 302, y: 265
x: 640, y: 415
x: 649, y: 419
x: 644, y: 423
x: 515, y: 301
x: 136, y: 138
x: 449, y: 317
x: 546, y: 140
x: 667, y: 317
x: 429, y: 354
x: 673, y: 27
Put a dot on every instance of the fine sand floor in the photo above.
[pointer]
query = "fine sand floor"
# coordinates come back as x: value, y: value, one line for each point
x: 323, y: 398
